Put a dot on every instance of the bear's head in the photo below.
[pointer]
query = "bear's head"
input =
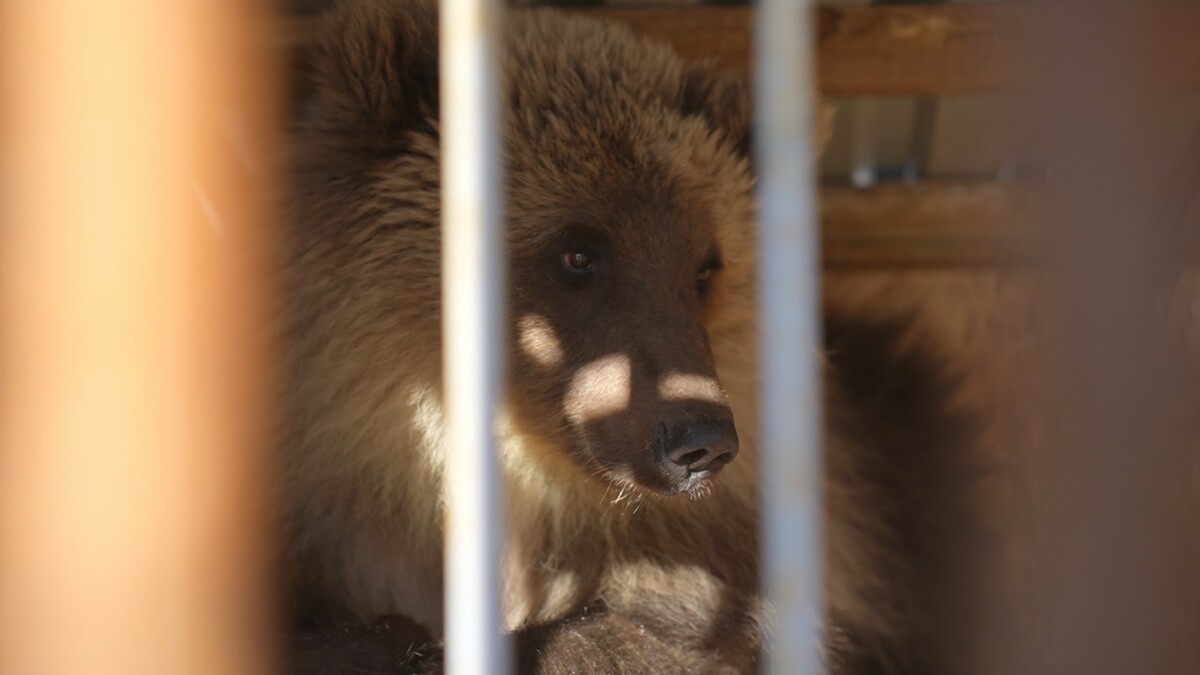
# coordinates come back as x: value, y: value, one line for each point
x: 629, y: 209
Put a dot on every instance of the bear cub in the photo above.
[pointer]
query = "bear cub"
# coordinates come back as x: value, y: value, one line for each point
x: 627, y: 435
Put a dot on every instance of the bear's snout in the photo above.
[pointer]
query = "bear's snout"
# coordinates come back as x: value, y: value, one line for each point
x: 690, y: 451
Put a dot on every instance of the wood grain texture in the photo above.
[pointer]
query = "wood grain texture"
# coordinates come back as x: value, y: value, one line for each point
x: 944, y: 225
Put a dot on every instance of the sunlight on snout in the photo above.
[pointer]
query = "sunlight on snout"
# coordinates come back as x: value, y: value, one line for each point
x: 690, y: 387
x: 600, y: 388
x: 538, y: 340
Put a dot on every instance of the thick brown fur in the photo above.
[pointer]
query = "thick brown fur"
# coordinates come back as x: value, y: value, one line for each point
x: 602, y: 574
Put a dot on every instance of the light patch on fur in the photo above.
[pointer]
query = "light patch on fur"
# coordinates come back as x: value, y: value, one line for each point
x: 691, y: 590
x: 561, y: 591
x: 544, y: 598
x: 690, y: 387
x: 602, y: 387
x: 428, y: 423
x: 539, y: 341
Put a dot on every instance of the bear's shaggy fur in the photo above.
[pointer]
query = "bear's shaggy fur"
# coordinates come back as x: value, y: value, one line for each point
x: 615, y: 148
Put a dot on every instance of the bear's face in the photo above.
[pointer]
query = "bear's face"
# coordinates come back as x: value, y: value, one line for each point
x: 609, y: 306
x: 628, y: 214
x: 629, y: 227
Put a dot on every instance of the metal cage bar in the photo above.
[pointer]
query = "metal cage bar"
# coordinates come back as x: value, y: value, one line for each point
x: 473, y: 314
x: 134, y: 400
x: 790, y: 401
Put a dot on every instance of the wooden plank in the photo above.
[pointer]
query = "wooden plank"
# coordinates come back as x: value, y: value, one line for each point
x: 924, y: 225
x: 948, y: 224
x: 877, y: 50
x: 948, y: 49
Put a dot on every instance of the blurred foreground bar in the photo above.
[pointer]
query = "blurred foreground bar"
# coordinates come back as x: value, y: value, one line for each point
x: 134, y: 140
x: 1113, y: 589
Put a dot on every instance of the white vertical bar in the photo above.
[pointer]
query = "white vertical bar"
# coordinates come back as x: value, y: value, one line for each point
x: 788, y: 304
x: 473, y: 314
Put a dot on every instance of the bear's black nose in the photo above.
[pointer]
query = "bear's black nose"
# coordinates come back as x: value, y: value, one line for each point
x: 701, y: 447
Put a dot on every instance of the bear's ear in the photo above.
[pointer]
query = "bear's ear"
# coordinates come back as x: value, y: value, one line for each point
x: 722, y: 100
x: 727, y: 103
x: 375, y: 74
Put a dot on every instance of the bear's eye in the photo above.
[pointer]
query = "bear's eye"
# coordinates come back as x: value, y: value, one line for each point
x: 577, y: 262
x: 704, y: 276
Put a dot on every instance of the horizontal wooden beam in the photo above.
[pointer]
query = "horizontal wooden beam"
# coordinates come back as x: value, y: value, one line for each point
x: 949, y: 49
x: 927, y: 225
x: 879, y: 50
x: 953, y: 224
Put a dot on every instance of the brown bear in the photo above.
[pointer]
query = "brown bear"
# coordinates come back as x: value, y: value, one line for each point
x: 627, y: 435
